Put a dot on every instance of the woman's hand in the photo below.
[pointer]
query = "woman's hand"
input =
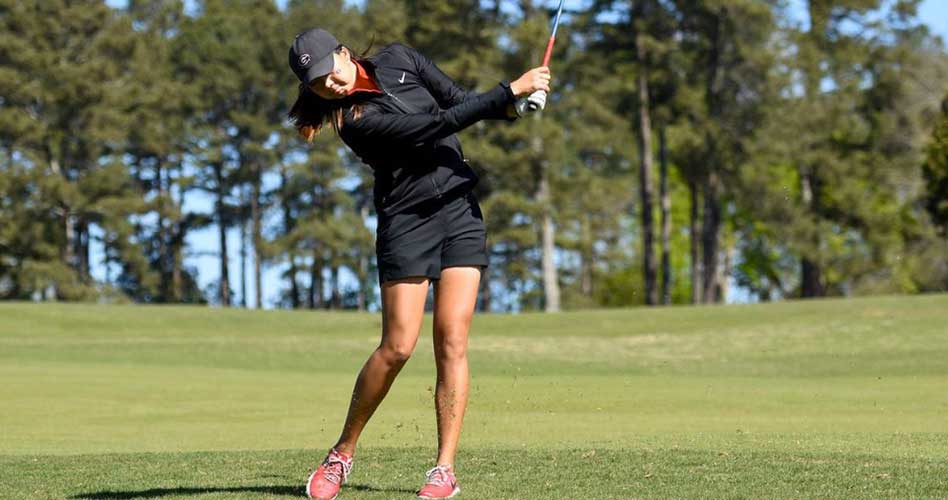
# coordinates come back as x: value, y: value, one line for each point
x: 531, y: 81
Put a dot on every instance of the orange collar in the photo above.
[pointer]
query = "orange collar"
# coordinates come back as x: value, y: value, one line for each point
x: 363, y: 81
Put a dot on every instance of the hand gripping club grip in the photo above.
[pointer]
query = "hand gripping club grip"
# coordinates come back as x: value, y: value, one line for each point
x: 537, y: 100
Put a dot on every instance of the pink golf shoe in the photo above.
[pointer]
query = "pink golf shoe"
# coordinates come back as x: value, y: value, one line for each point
x: 441, y: 483
x: 325, y: 482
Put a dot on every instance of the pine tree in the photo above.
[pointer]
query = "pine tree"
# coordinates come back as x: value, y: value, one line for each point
x: 326, y: 196
x: 636, y: 39
x: 517, y: 188
x: 63, y: 86
x: 728, y: 54
x: 157, y: 146
x: 836, y: 193
x: 936, y: 171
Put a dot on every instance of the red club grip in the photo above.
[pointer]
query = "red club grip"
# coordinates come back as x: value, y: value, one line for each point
x: 549, y: 51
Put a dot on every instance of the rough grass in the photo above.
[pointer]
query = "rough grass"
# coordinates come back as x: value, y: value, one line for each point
x: 822, y: 399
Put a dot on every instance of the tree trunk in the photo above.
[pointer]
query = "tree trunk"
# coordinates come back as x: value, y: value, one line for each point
x: 177, y: 257
x: 694, y: 230
x: 726, y: 268
x: 311, y: 291
x: 65, y: 251
x: 484, y: 296
x: 811, y: 285
x: 362, y: 302
x: 551, y: 286
x: 712, y: 208
x: 82, y: 251
x: 291, y: 273
x: 811, y: 279
x: 586, y: 272
x: 645, y: 177
x: 288, y: 226
x: 336, y: 296
x: 69, y: 227
x: 709, y: 239
x: 163, y: 257
x: 811, y: 276
x: 243, y: 263
x: 177, y: 281
x: 224, y: 292
x: 315, y: 292
x: 363, y: 274
x: 257, y: 238
x: 295, y: 301
x: 666, y: 217
x: 316, y: 270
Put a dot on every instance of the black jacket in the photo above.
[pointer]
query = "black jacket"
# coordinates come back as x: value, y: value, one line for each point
x: 407, y: 133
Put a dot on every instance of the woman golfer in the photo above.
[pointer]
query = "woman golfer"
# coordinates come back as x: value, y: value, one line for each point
x: 399, y: 113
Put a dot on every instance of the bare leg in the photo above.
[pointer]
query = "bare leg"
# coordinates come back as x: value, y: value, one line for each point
x: 455, y: 298
x: 403, y: 308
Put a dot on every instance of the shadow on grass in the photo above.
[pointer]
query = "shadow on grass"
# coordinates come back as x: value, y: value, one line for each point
x: 365, y: 487
x: 288, y: 491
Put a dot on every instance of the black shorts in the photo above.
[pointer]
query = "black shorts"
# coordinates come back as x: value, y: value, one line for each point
x: 429, y: 237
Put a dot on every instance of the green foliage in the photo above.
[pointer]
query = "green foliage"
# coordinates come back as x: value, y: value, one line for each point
x: 66, y: 86
x: 851, y: 134
x: 802, y: 144
x: 935, y: 170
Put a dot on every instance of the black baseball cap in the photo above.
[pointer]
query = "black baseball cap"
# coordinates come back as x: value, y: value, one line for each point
x: 311, y: 54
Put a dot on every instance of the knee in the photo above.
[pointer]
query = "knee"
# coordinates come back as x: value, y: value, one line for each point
x: 395, y: 355
x: 451, y: 345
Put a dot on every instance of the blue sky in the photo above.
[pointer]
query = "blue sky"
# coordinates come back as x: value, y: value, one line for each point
x: 935, y: 14
x: 203, y: 245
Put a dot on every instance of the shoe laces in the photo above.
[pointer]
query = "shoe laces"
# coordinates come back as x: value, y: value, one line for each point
x: 334, y: 474
x: 440, y: 475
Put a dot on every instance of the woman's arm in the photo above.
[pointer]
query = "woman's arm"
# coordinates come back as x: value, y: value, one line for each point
x: 442, y: 87
x: 421, y: 127
x: 449, y: 94
x: 416, y: 128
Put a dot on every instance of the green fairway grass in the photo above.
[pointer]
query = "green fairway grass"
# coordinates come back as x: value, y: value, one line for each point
x: 819, y: 399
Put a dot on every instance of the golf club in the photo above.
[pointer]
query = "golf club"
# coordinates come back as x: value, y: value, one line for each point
x: 537, y: 100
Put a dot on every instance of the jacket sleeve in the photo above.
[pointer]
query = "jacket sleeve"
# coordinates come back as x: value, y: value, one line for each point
x: 422, y: 127
x: 442, y: 87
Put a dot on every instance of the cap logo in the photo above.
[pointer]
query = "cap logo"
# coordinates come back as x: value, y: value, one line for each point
x: 304, y: 59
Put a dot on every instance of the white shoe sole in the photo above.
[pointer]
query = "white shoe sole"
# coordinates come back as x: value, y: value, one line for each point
x: 457, y: 489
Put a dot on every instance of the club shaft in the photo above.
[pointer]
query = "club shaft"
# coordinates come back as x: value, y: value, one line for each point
x: 549, y: 51
x: 537, y: 100
x: 549, y: 44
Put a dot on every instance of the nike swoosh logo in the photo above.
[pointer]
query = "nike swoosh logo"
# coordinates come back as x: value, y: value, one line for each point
x: 402, y: 79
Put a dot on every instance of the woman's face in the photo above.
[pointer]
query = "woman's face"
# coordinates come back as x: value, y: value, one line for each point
x: 339, y: 81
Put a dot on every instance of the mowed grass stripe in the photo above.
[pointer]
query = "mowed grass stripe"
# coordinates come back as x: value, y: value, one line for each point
x: 925, y: 312
x: 385, y: 473
x: 74, y: 408
x: 871, y: 337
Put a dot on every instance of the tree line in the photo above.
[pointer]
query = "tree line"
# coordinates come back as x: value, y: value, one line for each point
x: 688, y: 146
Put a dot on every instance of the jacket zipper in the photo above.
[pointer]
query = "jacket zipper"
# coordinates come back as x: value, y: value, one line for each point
x: 408, y: 109
x: 405, y: 107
